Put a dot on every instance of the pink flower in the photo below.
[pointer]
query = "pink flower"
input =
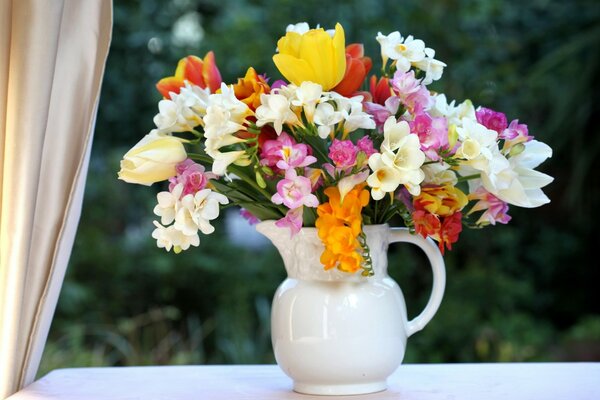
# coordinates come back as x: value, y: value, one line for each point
x: 294, y: 191
x: 248, y: 216
x: 516, y: 133
x: 191, y: 175
x: 343, y: 153
x: 405, y: 83
x: 432, y: 132
x: 292, y: 220
x: 491, y: 119
x: 284, y: 153
x: 495, y: 209
x: 419, y: 101
x: 365, y: 144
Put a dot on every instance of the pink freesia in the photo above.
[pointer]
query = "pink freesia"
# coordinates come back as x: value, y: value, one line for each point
x: 292, y: 220
x: 491, y: 119
x: 405, y: 83
x: 191, y: 175
x: 515, y: 133
x: 284, y: 153
x: 248, y: 216
x: 419, y: 101
x: 432, y: 132
x: 495, y: 209
x: 343, y: 153
x: 294, y: 191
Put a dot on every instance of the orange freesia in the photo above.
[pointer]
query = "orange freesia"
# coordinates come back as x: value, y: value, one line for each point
x: 357, y: 68
x: 339, y: 225
x: 199, y: 72
x: 441, y: 200
x: 249, y: 88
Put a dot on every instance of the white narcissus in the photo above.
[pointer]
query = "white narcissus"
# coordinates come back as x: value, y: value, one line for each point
x: 152, y: 159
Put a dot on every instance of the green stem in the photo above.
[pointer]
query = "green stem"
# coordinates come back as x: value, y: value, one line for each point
x: 468, y: 177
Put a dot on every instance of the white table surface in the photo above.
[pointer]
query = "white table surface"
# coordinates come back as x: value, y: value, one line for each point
x: 507, y: 381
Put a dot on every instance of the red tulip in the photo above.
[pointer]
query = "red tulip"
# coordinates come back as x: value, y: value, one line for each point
x: 357, y: 68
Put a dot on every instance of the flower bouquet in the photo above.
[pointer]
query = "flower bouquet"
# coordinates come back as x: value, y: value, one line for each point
x: 331, y: 148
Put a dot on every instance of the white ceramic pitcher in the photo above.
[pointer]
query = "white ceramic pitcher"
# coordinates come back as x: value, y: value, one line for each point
x: 336, y: 333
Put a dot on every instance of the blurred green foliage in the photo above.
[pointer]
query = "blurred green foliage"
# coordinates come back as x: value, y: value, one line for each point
x: 524, y: 291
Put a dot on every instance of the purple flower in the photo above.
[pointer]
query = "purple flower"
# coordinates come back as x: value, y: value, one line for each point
x: 496, y: 210
x: 248, y: 216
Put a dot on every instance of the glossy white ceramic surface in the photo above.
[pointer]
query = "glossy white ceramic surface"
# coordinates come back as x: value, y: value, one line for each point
x: 335, y: 333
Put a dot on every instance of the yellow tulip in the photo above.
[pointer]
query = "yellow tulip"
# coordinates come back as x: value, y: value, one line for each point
x: 152, y: 159
x: 314, y: 56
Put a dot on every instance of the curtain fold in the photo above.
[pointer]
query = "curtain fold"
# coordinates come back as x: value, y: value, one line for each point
x: 52, y: 57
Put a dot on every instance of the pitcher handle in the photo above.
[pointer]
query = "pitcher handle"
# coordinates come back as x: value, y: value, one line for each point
x: 439, y: 276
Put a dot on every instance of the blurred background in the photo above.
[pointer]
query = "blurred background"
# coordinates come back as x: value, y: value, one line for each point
x: 527, y: 291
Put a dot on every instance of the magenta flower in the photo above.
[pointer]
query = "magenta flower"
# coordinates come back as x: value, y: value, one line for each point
x: 343, y: 153
x: 432, y: 132
x: 294, y: 191
x: 495, y: 209
x: 191, y: 175
x: 365, y: 144
x: 292, y: 220
x: 284, y: 153
x: 491, y: 119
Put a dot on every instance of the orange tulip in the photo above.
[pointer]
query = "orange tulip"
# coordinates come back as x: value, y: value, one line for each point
x: 357, y: 68
x: 199, y: 72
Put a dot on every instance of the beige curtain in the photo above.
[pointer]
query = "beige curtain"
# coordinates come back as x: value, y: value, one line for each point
x: 52, y: 56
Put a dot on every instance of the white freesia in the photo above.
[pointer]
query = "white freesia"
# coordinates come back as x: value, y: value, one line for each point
x: 198, y: 210
x: 168, y: 202
x: 403, y: 50
x: 170, y: 237
x: 393, y: 132
x: 218, y: 122
x: 275, y: 108
x: 439, y: 174
x: 455, y: 114
x: 433, y: 68
x: 519, y: 183
x: 398, y: 163
x: 478, y: 144
x: 174, y: 116
x: 357, y: 118
x: 221, y: 160
x: 307, y: 97
x: 237, y: 109
x: 194, y: 98
x: 325, y: 118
